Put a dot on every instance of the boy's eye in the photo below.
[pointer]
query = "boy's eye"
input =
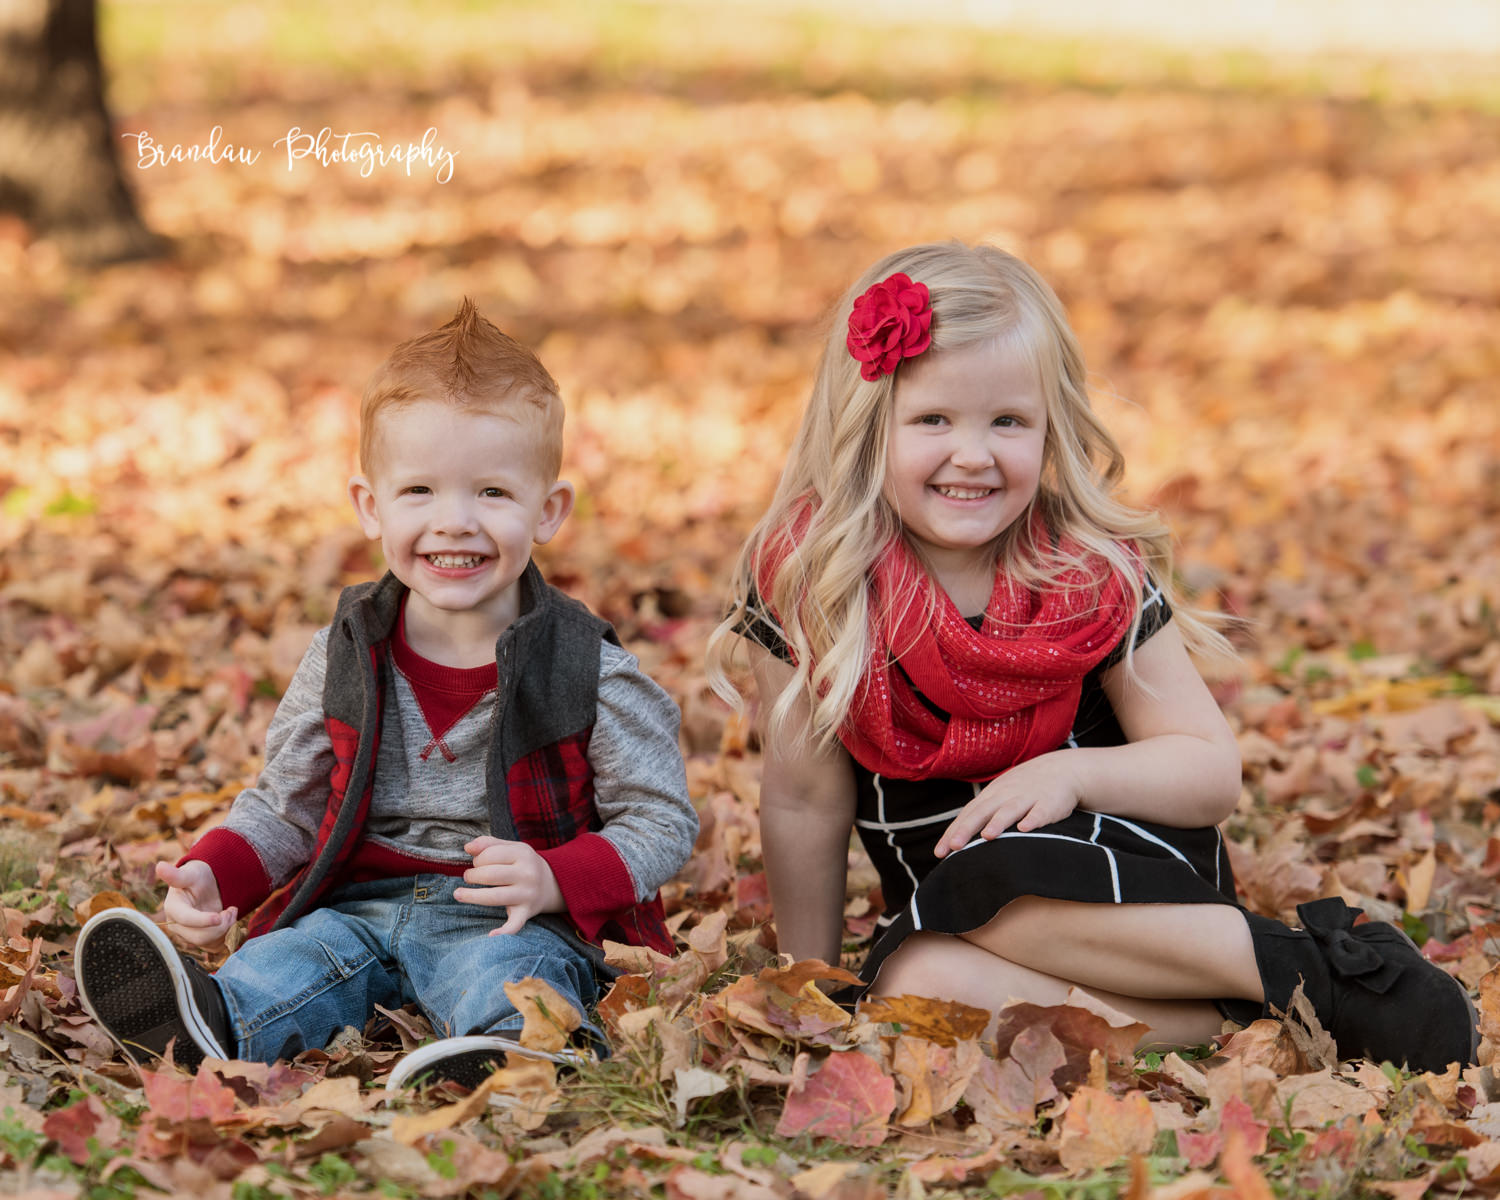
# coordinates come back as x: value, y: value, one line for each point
x: 493, y: 493
x: 419, y: 489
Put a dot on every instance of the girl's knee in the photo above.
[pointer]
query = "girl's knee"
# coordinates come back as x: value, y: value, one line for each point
x: 915, y: 968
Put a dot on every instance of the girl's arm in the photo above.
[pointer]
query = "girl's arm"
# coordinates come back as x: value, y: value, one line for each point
x: 1180, y: 765
x: 806, y: 815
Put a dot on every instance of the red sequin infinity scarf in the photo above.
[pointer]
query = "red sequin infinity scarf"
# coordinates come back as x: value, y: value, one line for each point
x: 1010, y: 688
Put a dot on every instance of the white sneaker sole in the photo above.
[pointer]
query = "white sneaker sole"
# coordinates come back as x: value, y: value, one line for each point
x: 472, y: 1049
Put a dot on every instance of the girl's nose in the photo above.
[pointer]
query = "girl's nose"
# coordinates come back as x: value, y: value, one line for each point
x: 971, y: 453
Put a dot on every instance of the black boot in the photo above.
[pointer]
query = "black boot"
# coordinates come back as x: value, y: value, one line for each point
x: 1372, y: 989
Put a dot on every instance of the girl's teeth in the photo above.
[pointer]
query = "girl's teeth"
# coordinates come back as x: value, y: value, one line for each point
x: 455, y: 560
x: 954, y: 493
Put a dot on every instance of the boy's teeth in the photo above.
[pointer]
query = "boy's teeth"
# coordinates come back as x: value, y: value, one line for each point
x: 955, y: 493
x: 455, y: 560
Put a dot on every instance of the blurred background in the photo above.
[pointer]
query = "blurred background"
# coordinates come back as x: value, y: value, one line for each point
x: 1276, y: 228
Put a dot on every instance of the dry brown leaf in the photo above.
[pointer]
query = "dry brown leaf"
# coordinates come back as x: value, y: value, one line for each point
x: 1100, y: 1130
x: 943, y: 1021
x: 1321, y: 1099
x: 548, y: 1018
x: 931, y: 1077
x: 97, y: 903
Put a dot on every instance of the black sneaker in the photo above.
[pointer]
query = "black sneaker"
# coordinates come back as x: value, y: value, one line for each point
x: 467, y: 1061
x: 144, y: 993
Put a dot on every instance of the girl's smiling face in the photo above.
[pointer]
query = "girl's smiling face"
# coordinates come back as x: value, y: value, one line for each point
x: 964, y: 458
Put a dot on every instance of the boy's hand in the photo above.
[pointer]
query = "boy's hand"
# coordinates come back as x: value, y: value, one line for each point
x: 513, y: 875
x: 193, y: 905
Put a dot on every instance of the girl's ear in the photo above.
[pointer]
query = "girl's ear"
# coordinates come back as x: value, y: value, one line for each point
x: 555, y: 510
x: 362, y: 494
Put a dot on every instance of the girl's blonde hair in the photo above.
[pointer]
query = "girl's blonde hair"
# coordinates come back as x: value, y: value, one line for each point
x: 819, y: 599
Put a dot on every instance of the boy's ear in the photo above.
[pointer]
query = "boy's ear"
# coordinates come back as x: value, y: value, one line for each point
x: 362, y: 493
x: 555, y: 510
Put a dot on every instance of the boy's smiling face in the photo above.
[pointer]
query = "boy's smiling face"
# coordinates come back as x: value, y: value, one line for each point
x: 457, y: 497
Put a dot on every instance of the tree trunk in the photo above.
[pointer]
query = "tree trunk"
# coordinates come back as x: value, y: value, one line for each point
x: 58, y: 164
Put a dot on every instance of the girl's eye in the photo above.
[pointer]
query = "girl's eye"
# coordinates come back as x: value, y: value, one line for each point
x: 930, y: 419
x: 1007, y: 422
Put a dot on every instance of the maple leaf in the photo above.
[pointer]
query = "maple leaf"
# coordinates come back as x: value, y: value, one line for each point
x: 175, y: 1098
x: 1311, y: 1102
x: 848, y: 1100
x: 1082, y: 1025
x: 1099, y: 1130
x: 943, y: 1021
x: 1004, y: 1094
x: 73, y: 1127
x: 1200, y: 1149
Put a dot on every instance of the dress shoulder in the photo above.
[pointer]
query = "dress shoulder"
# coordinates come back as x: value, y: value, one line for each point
x: 754, y: 627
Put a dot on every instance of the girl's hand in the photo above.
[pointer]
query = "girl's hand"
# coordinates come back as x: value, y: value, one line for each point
x: 1032, y: 794
x: 515, y: 876
x: 193, y: 906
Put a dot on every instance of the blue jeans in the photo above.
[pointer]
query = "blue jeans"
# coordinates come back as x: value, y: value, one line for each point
x: 391, y: 942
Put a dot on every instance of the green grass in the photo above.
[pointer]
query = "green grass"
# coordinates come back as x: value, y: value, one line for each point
x: 701, y: 47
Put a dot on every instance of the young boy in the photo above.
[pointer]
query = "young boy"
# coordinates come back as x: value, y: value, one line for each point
x: 468, y: 781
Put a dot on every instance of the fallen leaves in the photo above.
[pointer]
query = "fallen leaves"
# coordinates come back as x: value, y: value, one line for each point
x: 1308, y: 359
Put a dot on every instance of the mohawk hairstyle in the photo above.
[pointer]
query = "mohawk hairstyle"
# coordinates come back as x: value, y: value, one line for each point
x: 467, y: 363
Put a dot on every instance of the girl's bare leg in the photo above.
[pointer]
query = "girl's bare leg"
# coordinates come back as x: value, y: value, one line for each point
x: 1160, y: 951
x: 952, y: 968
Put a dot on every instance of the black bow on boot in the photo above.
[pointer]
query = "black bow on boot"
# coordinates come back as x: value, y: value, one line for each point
x: 1371, y: 987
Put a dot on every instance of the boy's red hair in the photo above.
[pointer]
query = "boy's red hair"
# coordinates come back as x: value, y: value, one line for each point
x: 467, y: 363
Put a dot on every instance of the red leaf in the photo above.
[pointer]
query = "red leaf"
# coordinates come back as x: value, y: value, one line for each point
x: 1237, y: 1115
x: 175, y: 1099
x: 1200, y: 1149
x: 849, y: 1100
x: 72, y: 1127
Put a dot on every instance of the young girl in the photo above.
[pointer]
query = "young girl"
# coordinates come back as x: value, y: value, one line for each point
x: 964, y: 647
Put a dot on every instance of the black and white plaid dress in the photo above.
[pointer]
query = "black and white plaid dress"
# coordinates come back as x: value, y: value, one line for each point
x: 1087, y: 856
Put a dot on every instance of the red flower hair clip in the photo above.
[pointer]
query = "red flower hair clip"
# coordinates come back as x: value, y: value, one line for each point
x: 891, y: 321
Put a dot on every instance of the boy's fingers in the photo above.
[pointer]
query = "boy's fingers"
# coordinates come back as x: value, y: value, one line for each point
x: 195, y: 918
x: 514, y: 922
x: 489, y: 875
x: 489, y: 896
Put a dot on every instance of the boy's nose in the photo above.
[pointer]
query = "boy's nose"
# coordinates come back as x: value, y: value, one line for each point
x: 455, y: 517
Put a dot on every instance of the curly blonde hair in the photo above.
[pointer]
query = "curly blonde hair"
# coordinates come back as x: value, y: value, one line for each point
x: 819, y: 597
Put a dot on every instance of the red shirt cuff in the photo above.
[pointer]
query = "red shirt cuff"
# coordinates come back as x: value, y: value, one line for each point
x: 242, y: 879
x: 594, y: 881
